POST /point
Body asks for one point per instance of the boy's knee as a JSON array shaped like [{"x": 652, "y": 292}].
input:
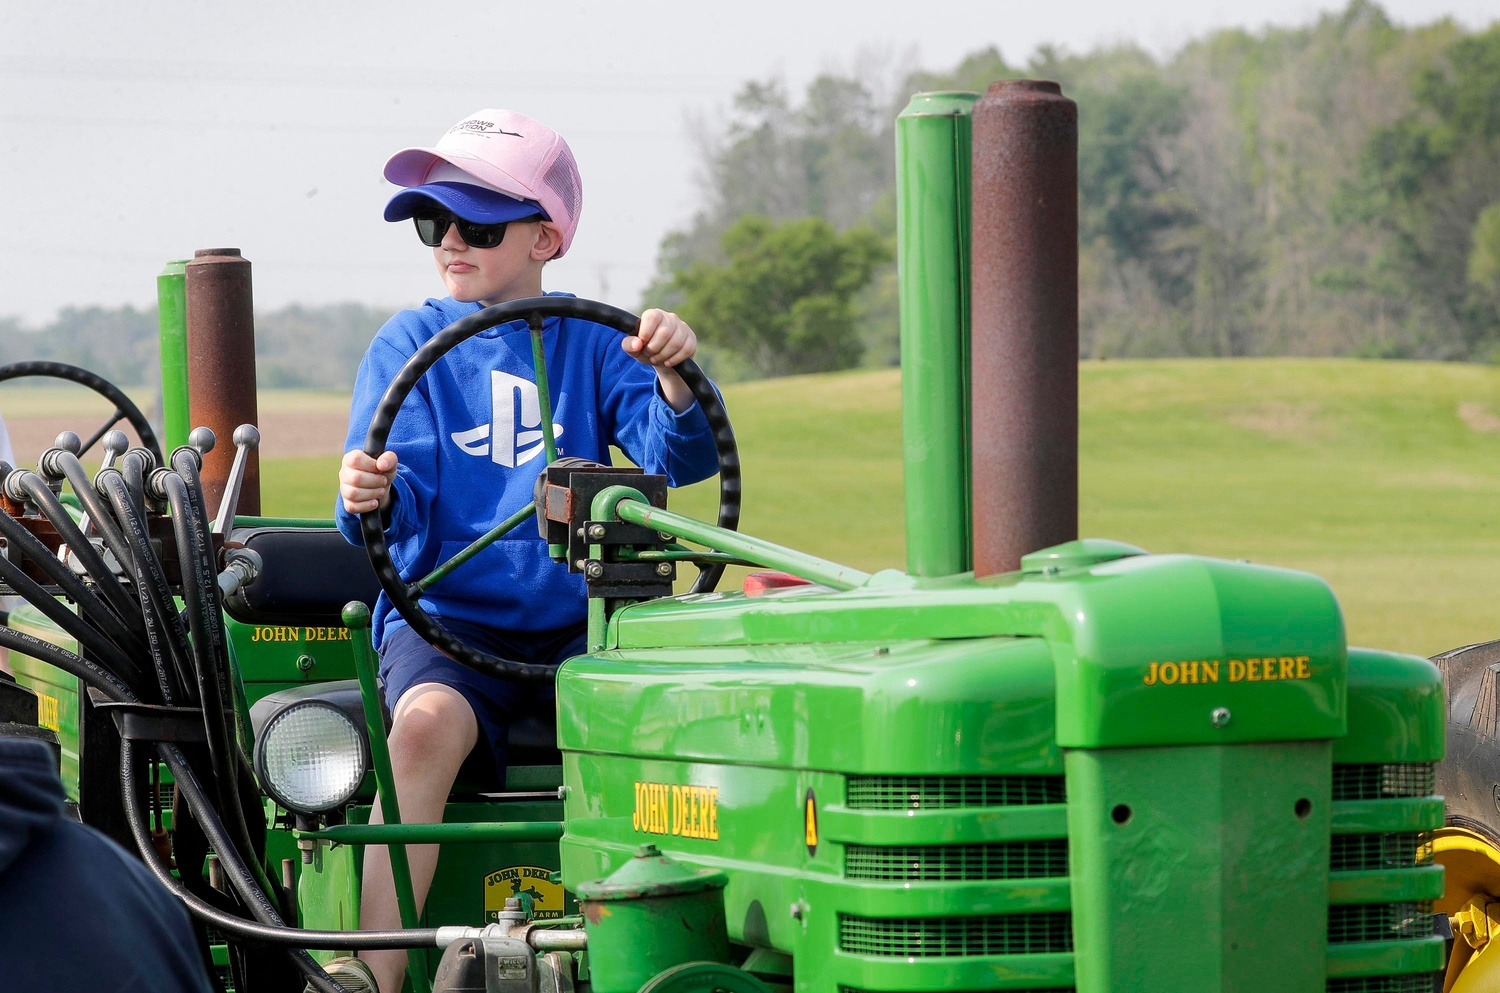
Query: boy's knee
[{"x": 433, "y": 718}]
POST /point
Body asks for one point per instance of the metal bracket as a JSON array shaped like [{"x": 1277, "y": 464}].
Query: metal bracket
[{"x": 565, "y": 496}]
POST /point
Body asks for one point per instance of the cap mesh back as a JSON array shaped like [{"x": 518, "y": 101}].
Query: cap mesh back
[{"x": 561, "y": 178}]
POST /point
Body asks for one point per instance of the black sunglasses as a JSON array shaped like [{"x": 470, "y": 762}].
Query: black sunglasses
[{"x": 432, "y": 226}]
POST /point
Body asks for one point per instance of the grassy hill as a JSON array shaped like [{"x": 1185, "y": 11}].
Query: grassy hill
[{"x": 1382, "y": 477}]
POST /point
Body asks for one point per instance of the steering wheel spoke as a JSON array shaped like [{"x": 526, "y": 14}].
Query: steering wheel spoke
[{"x": 104, "y": 429}]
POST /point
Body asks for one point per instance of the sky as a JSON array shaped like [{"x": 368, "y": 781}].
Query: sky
[{"x": 128, "y": 140}]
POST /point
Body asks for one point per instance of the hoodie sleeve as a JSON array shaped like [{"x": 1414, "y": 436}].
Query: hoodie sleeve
[
  {"x": 645, "y": 427},
  {"x": 412, "y": 437}
]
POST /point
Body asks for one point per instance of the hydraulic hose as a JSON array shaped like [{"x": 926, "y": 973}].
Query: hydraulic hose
[
  {"x": 264, "y": 933},
  {"x": 228, "y": 923},
  {"x": 164, "y": 631},
  {"x": 87, "y": 636},
  {"x": 200, "y": 589},
  {"x": 103, "y": 616},
  {"x": 134, "y": 465},
  {"x": 186, "y": 463},
  {"x": 87, "y": 495},
  {"x": 69, "y": 662},
  {"x": 93, "y": 563}
]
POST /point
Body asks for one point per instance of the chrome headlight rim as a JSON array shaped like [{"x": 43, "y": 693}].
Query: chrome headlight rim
[{"x": 276, "y": 791}]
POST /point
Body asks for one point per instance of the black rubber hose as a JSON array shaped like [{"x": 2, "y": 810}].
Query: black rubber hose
[
  {"x": 133, "y": 466},
  {"x": 75, "y": 665},
  {"x": 200, "y": 589},
  {"x": 263, "y": 933},
  {"x": 88, "y": 637},
  {"x": 102, "y": 520},
  {"x": 93, "y": 563},
  {"x": 228, "y": 923},
  {"x": 104, "y": 615},
  {"x": 186, "y": 463},
  {"x": 164, "y": 630}
]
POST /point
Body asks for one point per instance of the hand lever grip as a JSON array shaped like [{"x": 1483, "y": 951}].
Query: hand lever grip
[{"x": 246, "y": 437}]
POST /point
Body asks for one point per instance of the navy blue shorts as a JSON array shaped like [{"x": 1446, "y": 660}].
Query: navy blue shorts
[{"x": 406, "y": 660}]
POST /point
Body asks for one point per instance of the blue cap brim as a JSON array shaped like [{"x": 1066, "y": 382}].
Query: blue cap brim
[{"x": 472, "y": 203}]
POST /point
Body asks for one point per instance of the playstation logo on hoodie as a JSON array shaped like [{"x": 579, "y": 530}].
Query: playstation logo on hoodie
[{"x": 513, "y": 437}]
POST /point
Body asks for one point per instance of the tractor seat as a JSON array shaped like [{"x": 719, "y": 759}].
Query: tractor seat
[{"x": 307, "y": 576}]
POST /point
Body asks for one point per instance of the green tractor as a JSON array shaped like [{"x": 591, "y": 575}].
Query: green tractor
[{"x": 1028, "y": 762}]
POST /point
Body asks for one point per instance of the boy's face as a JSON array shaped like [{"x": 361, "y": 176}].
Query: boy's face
[{"x": 509, "y": 271}]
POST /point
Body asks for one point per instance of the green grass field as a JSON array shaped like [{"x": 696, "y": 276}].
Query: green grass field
[{"x": 1382, "y": 477}]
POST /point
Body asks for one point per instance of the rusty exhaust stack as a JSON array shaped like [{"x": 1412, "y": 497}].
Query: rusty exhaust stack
[
  {"x": 221, "y": 366},
  {"x": 1024, "y": 322}
]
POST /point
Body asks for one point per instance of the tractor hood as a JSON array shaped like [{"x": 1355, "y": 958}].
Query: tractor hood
[{"x": 31, "y": 796}]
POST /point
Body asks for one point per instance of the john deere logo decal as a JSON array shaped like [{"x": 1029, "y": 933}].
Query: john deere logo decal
[
  {"x": 810, "y": 821},
  {"x": 529, "y": 882}
]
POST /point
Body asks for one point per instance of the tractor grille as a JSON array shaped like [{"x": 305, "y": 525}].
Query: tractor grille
[
  {"x": 1375, "y": 781},
  {"x": 1358, "y": 852},
  {"x": 940, "y": 792},
  {"x": 1416, "y": 982},
  {"x": 937, "y": 937},
  {"x": 998, "y": 860},
  {"x": 1379, "y": 922},
  {"x": 1382, "y": 852}
]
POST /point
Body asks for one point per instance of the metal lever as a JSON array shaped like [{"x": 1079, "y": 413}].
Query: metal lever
[
  {"x": 116, "y": 443},
  {"x": 246, "y": 437}
]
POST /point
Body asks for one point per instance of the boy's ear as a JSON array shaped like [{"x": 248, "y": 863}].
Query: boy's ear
[{"x": 548, "y": 241}]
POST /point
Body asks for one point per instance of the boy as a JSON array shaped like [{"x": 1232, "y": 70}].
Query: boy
[{"x": 496, "y": 199}]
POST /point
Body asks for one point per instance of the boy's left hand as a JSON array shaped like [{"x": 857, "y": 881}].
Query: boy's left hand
[{"x": 663, "y": 339}]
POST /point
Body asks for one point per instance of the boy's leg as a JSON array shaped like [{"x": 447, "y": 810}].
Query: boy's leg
[{"x": 432, "y": 730}]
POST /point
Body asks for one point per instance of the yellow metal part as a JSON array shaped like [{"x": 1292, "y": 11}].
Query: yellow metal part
[{"x": 1471, "y": 899}]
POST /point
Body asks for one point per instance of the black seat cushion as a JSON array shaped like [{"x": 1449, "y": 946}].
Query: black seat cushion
[{"x": 307, "y": 576}]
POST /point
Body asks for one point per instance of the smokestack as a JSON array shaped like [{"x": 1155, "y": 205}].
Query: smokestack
[{"x": 1024, "y": 322}]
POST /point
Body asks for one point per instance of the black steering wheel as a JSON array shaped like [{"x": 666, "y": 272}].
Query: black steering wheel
[
  {"x": 125, "y": 409},
  {"x": 533, "y": 310}
]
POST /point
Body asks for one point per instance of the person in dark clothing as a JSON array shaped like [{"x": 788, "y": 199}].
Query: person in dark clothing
[{"x": 77, "y": 913}]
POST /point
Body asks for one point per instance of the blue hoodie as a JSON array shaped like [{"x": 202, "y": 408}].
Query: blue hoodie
[
  {"x": 77, "y": 912},
  {"x": 469, "y": 442}
]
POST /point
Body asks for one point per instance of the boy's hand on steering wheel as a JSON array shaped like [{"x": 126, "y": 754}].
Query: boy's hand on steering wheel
[
  {"x": 365, "y": 482},
  {"x": 663, "y": 339}
]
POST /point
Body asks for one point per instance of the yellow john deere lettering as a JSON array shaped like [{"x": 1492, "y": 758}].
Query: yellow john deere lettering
[
  {"x": 1271, "y": 668},
  {"x": 673, "y": 809},
  {"x": 299, "y": 634}
]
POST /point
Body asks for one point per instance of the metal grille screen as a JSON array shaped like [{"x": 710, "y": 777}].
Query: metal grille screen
[
  {"x": 1379, "y": 922},
  {"x": 934, "y": 937},
  {"x": 998, "y": 860},
  {"x": 1416, "y": 982},
  {"x": 938, "y": 792},
  {"x": 1352, "y": 852},
  {"x": 1374, "y": 781}
]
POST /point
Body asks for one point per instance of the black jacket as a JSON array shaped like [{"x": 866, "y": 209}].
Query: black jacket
[{"x": 76, "y": 911}]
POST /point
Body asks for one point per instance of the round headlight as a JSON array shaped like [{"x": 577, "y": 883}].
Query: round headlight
[{"x": 310, "y": 757}]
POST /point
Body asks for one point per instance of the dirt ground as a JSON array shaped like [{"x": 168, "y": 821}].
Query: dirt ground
[{"x": 284, "y": 434}]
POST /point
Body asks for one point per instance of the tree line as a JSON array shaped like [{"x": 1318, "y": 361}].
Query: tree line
[
  {"x": 1328, "y": 189},
  {"x": 296, "y": 347},
  {"x": 1331, "y": 189}
]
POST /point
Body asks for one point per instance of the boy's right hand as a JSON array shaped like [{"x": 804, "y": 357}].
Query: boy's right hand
[{"x": 365, "y": 482}]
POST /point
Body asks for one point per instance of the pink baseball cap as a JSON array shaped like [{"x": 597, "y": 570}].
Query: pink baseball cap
[{"x": 506, "y": 152}]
